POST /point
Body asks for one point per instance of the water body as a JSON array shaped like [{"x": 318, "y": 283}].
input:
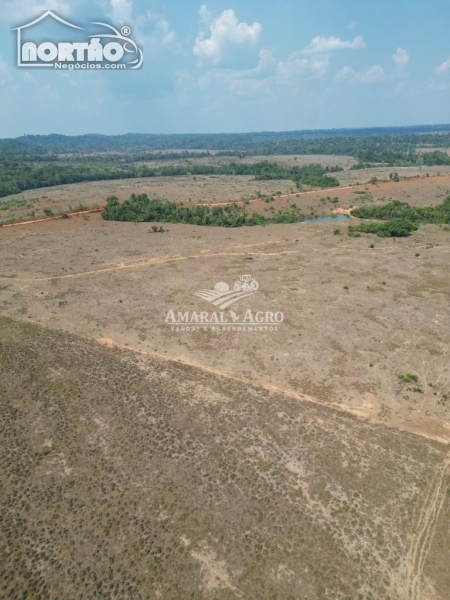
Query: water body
[{"x": 339, "y": 217}]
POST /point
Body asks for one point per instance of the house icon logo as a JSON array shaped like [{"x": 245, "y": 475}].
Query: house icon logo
[{"x": 111, "y": 49}]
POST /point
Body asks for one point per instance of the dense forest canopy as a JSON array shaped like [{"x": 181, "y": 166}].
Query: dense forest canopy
[
  {"x": 32, "y": 162},
  {"x": 339, "y": 141}
]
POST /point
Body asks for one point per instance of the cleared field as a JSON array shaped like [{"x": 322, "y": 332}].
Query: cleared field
[
  {"x": 341, "y": 346},
  {"x": 146, "y": 460},
  {"x": 220, "y": 188},
  {"x": 180, "y": 189},
  {"x": 326, "y": 160},
  {"x": 132, "y": 477},
  {"x": 364, "y": 175},
  {"x": 417, "y": 191},
  {"x": 425, "y": 150}
]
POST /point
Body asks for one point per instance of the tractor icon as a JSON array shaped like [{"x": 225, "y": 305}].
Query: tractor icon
[{"x": 245, "y": 283}]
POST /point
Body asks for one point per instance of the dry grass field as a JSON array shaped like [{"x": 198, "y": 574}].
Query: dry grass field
[
  {"x": 179, "y": 189},
  {"x": 220, "y": 188},
  {"x": 143, "y": 460}
]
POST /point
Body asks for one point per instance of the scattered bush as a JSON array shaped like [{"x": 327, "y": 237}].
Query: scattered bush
[
  {"x": 408, "y": 378},
  {"x": 439, "y": 214},
  {"x": 392, "y": 228}
]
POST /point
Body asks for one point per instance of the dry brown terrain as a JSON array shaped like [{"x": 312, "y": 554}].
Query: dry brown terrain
[
  {"x": 210, "y": 189},
  {"x": 126, "y": 476},
  {"x": 179, "y": 189},
  {"x": 146, "y": 461}
]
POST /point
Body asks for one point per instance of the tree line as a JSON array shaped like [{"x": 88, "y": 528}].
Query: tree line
[
  {"x": 397, "y": 227},
  {"x": 17, "y": 175},
  {"x": 141, "y": 209},
  {"x": 339, "y": 141},
  {"x": 439, "y": 214}
]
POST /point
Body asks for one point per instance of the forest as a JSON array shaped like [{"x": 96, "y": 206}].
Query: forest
[
  {"x": 17, "y": 175},
  {"x": 35, "y": 161},
  {"x": 439, "y": 214},
  {"x": 339, "y": 141},
  {"x": 140, "y": 208}
]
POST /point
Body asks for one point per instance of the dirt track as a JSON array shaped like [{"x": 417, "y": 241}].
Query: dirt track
[
  {"x": 229, "y": 465},
  {"x": 39, "y": 287}
]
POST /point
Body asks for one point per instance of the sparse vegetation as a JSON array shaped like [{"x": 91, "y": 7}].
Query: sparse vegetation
[{"x": 115, "y": 484}]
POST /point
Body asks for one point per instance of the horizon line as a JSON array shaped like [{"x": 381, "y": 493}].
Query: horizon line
[{"x": 261, "y": 132}]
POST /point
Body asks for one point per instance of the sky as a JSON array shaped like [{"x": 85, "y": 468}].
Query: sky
[{"x": 229, "y": 66}]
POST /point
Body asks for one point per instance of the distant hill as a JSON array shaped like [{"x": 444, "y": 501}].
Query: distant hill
[{"x": 284, "y": 142}]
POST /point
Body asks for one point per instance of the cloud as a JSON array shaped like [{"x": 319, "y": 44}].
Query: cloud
[
  {"x": 345, "y": 74},
  {"x": 227, "y": 35},
  {"x": 314, "y": 60},
  {"x": 229, "y": 43},
  {"x": 27, "y": 10},
  {"x": 266, "y": 66},
  {"x": 324, "y": 45},
  {"x": 150, "y": 28},
  {"x": 400, "y": 57},
  {"x": 444, "y": 68},
  {"x": 205, "y": 14},
  {"x": 352, "y": 24},
  {"x": 374, "y": 74},
  {"x": 297, "y": 66},
  {"x": 162, "y": 32},
  {"x": 244, "y": 82},
  {"x": 269, "y": 74},
  {"x": 122, "y": 11}
]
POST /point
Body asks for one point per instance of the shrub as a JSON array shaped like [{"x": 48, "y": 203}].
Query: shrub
[
  {"x": 408, "y": 378},
  {"x": 439, "y": 214},
  {"x": 391, "y": 228}
]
